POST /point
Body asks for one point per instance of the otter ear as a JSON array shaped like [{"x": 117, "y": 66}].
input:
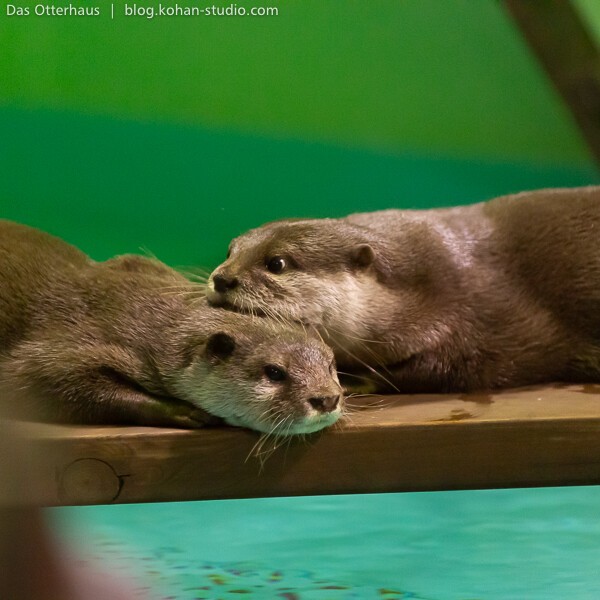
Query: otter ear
[
  {"x": 219, "y": 346},
  {"x": 362, "y": 255}
]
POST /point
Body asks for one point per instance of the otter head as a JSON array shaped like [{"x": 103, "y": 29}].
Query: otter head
[
  {"x": 321, "y": 272},
  {"x": 261, "y": 374},
  {"x": 377, "y": 294}
]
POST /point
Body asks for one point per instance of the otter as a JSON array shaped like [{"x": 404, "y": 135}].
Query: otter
[
  {"x": 132, "y": 341},
  {"x": 502, "y": 293}
]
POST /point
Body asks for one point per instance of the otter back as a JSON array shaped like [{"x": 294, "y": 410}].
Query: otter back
[{"x": 496, "y": 294}]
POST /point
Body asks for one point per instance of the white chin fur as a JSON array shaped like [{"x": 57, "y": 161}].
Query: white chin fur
[
  {"x": 306, "y": 425},
  {"x": 235, "y": 405}
]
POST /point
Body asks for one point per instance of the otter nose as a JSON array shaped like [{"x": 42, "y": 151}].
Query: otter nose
[
  {"x": 324, "y": 404},
  {"x": 223, "y": 283}
]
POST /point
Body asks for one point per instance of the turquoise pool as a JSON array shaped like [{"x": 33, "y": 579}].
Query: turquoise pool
[{"x": 478, "y": 545}]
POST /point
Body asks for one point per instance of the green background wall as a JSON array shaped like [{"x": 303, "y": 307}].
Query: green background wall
[{"x": 174, "y": 135}]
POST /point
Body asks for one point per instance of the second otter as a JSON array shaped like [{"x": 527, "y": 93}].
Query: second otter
[
  {"x": 131, "y": 341},
  {"x": 496, "y": 294}
]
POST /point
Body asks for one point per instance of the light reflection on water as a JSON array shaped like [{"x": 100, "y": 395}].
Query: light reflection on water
[{"x": 487, "y": 545}]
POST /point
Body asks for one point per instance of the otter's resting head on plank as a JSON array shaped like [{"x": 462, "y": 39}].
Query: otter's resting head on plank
[{"x": 131, "y": 341}]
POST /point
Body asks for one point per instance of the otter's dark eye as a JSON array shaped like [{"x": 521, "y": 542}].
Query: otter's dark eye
[
  {"x": 276, "y": 265},
  {"x": 275, "y": 373}
]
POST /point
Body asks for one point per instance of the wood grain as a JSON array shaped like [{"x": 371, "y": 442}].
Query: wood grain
[{"x": 529, "y": 437}]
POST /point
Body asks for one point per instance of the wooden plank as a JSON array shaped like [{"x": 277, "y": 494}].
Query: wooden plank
[
  {"x": 528, "y": 437},
  {"x": 558, "y": 37}
]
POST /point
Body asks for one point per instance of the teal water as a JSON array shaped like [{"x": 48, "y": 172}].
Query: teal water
[{"x": 478, "y": 545}]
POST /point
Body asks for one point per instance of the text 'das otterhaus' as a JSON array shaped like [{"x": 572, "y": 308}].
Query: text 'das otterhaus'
[{"x": 140, "y": 10}]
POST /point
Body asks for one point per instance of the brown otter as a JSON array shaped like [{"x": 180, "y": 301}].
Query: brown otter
[
  {"x": 131, "y": 341},
  {"x": 496, "y": 294}
]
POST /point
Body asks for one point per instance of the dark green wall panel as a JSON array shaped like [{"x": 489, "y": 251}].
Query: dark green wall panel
[{"x": 112, "y": 186}]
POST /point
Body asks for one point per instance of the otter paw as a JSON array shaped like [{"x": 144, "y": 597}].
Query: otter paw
[{"x": 195, "y": 418}]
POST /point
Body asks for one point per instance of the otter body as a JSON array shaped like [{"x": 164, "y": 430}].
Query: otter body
[
  {"x": 496, "y": 294},
  {"x": 132, "y": 341}
]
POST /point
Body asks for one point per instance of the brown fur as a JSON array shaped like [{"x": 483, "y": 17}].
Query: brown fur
[
  {"x": 501, "y": 293},
  {"x": 132, "y": 341}
]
